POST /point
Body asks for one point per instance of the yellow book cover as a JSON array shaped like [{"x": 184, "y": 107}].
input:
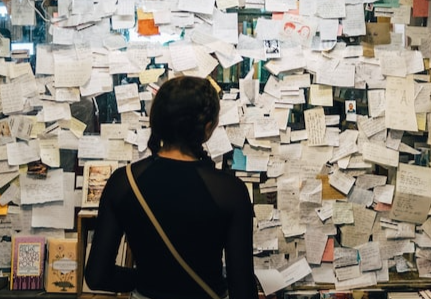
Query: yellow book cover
[{"x": 61, "y": 266}]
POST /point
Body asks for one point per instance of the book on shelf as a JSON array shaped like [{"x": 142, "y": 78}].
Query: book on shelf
[
  {"x": 27, "y": 262},
  {"x": 61, "y": 265}
]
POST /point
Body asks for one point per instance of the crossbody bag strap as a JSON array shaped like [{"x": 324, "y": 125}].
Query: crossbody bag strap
[{"x": 164, "y": 237}]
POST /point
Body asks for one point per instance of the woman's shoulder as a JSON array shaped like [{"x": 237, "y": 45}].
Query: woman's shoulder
[{"x": 222, "y": 176}]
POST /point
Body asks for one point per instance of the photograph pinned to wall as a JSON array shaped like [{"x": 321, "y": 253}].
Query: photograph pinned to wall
[
  {"x": 95, "y": 176},
  {"x": 5, "y": 132},
  {"x": 272, "y": 48},
  {"x": 351, "y": 110}
]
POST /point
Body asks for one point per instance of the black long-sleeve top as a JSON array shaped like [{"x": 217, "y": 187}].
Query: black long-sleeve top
[{"x": 202, "y": 210}]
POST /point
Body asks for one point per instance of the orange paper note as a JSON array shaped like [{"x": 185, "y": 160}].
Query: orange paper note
[
  {"x": 146, "y": 25},
  {"x": 3, "y": 210},
  {"x": 420, "y": 8},
  {"x": 328, "y": 253}
]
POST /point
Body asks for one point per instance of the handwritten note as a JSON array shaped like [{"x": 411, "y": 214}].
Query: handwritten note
[{"x": 316, "y": 126}]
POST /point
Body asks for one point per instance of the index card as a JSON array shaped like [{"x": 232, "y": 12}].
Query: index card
[
  {"x": 291, "y": 59},
  {"x": 49, "y": 151},
  {"x": 347, "y": 145},
  {"x": 315, "y": 126},
  {"x": 5, "y": 167},
  {"x": 53, "y": 111},
  {"x": 226, "y": 50},
  {"x": 113, "y": 131},
  {"x": 275, "y": 167},
  {"x": 379, "y": 154},
  {"x": 413, "y": 179},
  {"x": 324, "y": 273},
  {"x": 182, "y": 55},
  {"x": 22, "y": 152},
  {"x": 328, "y": 9},
  {"x": 143, "y": 135},
  {"x": 295, "y": 271},
  {"x": 127, "y": 97},
  {"x": 92, "y": 147},
  {"x": 365, "y": 280},
  {"x": 5, "y": 178},
  {"x": 257, "y": 163},
  {"x": 311, "y": 191},
  {"x": 228, "y": 113},
  {"x": 265, "y": 127},
  {"x": 100, "y": 82},
  {"x": 416, "y": 34},
  {"x": 204, "y": 6},
  {"x": 150, "y": 76},
  {"x": 400, "y": 104},
  {"x": 72, "y": 73},
  {"x": 354, "y": 21},
  {"x": 361, "y": 196},
  {"x": 62, "y": 35},
  {"x": 263, "y": 211},
  {"x": 370, "y": 256},
  {"x": 345, "y": 257},
  {"x": 70, "y": 94},
  {"x": 12, "y": 100},
  {"x": 328, "y": 29},
  {"x": 348, "y": 272},
  {"x": 342, "y": 213},
  {"x": 341, "y": 181},
  {"x": 118, "y": 150},
  {"x": 369, "y": 181},
  {"x": 384, "y": 194},
  {"x": 271, "y": 280},
  {"x": 315, "y": 243},
  {"x": 224, "y": 4},
  {"x": 119, "y": 63},
  {"x": 225, "y": 26},
  {"x": 410, "y": 207},
  {"x": 371, "y": 126},
  {"x": 34, "y": 191},
  {"x": 236, "y": 135},
  {"x": 205, "y": 63},
  {"x": 67, "y": 140},
  {"x": 23, "y": 12},
  {"x": 250, "y": 47},
  {"x": 343, "y": 75},
  {"x": 403, "y": 230},
  {"x": 321, "y": 95},
  {"x": 219, "y": 143},
  {"x": 265, "y": 239}
]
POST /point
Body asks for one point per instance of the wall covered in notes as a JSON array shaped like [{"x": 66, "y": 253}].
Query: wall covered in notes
[{"x": 325, "y": 114}]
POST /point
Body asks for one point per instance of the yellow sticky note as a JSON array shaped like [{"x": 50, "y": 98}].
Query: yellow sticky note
[
  {"x": 3, "y": 210},
  {"x": 142, "y": 15},
  {"x": 77, "y": 127},
  {"x": 214, "y": 84},
  {"x": 421, "y": 118},
  {"x": 150, "y": 76}
]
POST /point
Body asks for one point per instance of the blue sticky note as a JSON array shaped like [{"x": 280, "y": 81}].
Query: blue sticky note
[{"x": 239, "y": 160}]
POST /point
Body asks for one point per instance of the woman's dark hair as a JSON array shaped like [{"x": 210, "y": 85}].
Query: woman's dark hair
[{"x": 179, "y": 113}]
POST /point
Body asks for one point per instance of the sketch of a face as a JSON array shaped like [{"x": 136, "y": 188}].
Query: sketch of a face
[
  {"x": 289, "y": 28},
  {"x": 304, "y": 32}
]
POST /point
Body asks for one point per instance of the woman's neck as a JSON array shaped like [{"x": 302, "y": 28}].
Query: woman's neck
[{"x": 176, "y": 154}]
